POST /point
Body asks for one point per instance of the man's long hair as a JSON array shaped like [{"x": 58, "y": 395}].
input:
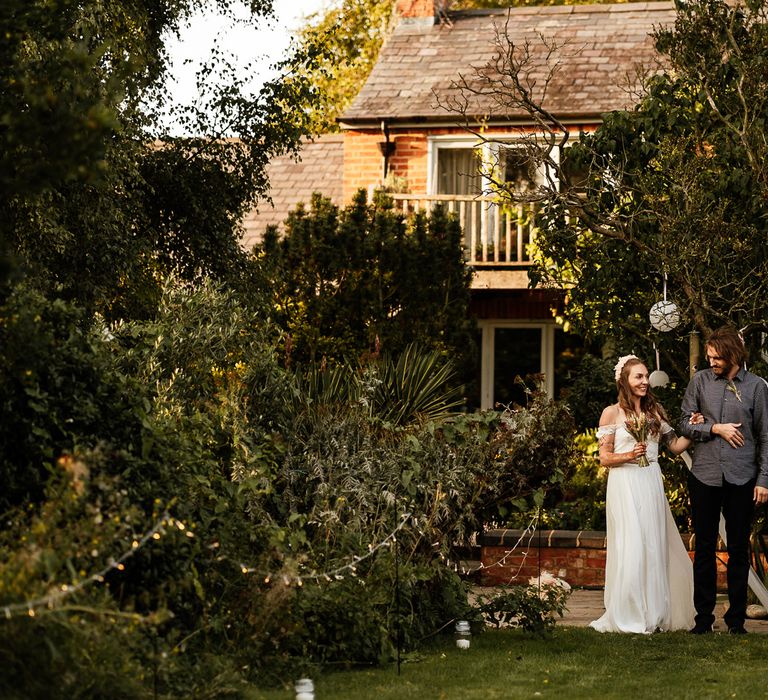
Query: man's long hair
[
  {"x": 648, "y": 403},
  {"x": 727, "y": 343}
]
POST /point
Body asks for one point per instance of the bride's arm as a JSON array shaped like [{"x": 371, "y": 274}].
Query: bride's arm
[
  {"x": 609, "y": 458},
  {"x": 678, "y": 443}
]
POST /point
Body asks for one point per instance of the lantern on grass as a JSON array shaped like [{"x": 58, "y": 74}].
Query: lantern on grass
[
  {"x": 463, "y": 634},
  {"x": 664, "y": 315},
  {"x": 305, "y": 689}
]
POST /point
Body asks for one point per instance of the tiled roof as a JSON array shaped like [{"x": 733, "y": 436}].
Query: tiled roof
[
  {"x": 319, "y": 170},
  {"x": 602, "y": 47}
]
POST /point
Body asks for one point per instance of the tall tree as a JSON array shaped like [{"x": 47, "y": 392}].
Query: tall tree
[
  {"x": 98, "y": 201},
  {"x": 675, "y": 187}
]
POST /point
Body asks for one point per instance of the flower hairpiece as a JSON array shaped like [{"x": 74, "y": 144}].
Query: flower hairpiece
[{"x": 620, "y": 365}]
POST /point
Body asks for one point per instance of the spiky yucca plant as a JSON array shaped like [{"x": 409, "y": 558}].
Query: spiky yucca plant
[{"x": 417, "y": 384}]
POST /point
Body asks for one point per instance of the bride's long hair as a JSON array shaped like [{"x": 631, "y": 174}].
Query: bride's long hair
[{"x": 648, "y": 403}]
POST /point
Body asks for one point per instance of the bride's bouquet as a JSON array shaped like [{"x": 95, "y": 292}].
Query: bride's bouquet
[{"x": 640, "y": 427}]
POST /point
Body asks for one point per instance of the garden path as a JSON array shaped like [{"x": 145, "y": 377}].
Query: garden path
[{"x": 585, "y": 605}]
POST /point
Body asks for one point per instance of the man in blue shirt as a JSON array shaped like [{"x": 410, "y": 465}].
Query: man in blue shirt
[{"x": 730, "y": 471}]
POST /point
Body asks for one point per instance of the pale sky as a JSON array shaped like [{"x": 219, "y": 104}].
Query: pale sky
[{"x": 262, "y": 46}]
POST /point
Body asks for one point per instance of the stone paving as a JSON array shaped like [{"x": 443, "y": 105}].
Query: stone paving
[{"x": 587, "y": 605}]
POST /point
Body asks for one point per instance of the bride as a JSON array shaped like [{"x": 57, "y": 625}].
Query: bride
[{"x": 648, "y": 573}]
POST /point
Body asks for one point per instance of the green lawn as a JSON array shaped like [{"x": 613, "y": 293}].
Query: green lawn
[{"x": 574, "y": 663}]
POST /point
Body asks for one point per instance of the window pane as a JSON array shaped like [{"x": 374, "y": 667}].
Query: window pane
[
  {"x": 518, "y": 170},
  {"x": 517, "y": 353},
  {"x": 457, "y": 171}
]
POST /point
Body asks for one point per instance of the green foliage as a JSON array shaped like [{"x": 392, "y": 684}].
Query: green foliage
[
  {"x": 269, "y": 482},
  {"x": 414, "y": 384},
  {"x": 397, "y": 390},
  {"x": 345, "y": 283},
  {"x": 684, "y": 193},
  {"x": 351, "y": 34},
  {"x": 98, "y": 202},
  {"x": 80, "y": 645},
  {"x": 534, "y": 446},
  {"x": 59, "y": 394},
  {"x": 58, "y": 657},
  {"x": 590, "y": 388},
  {"x": 579, "y": 504},
  {"x": 532, "y": 608}
]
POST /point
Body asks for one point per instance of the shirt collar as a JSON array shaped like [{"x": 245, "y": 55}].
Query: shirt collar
[{"x": 739, "y": 375}]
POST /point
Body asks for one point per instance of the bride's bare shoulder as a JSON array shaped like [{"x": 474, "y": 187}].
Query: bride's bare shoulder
[{"x": 610, "y": 415}]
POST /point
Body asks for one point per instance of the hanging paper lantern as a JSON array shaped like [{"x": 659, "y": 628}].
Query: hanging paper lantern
[
  {"x": 664, "y": 316},
  {"x": 658, "y": 378}
]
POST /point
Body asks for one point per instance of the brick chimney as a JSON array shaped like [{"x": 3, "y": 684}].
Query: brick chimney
[{"x": 422, "y": 9}]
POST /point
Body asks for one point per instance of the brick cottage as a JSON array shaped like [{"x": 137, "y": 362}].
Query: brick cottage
[
  {"x": 410, "y": 130},
  {"x": 400, "y": 130}
]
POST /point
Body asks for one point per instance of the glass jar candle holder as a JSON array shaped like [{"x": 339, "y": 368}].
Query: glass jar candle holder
[
  {"x": 463, "y": 634},
  {"x": 305, "y": 689}
]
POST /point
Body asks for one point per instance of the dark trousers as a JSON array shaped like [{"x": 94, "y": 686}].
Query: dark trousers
[{"x": 737, "y": 504}]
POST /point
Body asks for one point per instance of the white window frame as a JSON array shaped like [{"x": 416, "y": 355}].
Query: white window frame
[
  {"x": 487, "y": 354},
  {"x": 434, "y": 144},
  {"x": 489, "y": 149}
]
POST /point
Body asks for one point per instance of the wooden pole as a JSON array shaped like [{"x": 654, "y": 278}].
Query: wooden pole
[{"x": 694, "y": 352}]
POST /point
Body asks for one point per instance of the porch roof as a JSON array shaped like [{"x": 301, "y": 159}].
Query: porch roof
[
  {"x": 319, "y": 169},
  {"x": 602, "y": 47}
]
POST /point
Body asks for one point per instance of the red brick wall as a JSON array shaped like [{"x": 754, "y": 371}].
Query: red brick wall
[
  {"x": 576, "y": 557},
  {"x": 364, "y": 163},
  {"x": 410, "y": 159},
  {"x": 416, "y": 8},
  {"x": 582, "y": 567}
]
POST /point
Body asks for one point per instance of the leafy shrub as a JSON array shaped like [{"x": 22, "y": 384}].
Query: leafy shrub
[
  {"x": 346, "y": 281},
  {"x": 285, "y": 497},
  {"x": 533, "y": 452},
  {"x": 59, "y": 393},
  {"x": 72, "y": 640},
  {"x": 533, "y": 608}
]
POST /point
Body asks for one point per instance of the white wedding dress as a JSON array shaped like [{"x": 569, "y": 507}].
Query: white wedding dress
[{"x": 648, "y": 573}]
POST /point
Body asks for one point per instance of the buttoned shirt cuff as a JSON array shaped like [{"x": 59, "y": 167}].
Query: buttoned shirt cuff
[{"x": 701, "y": 432}]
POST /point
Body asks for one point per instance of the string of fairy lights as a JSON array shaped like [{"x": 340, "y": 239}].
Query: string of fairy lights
[
  {"x": 530, "y": 529},
  {"x": 54, "y": 598},
  {"x": 29, "y": 607},
  {"x": 333, "y": 574}
]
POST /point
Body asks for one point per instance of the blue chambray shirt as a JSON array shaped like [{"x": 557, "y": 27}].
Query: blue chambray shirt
[{"x": 713, "y": 457}]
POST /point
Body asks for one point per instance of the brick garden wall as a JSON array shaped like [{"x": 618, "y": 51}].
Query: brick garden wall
[{"x": 577, "y": 556}]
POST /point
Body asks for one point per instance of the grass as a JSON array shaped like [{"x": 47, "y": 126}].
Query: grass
[{"x": 574, "y": 663}]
